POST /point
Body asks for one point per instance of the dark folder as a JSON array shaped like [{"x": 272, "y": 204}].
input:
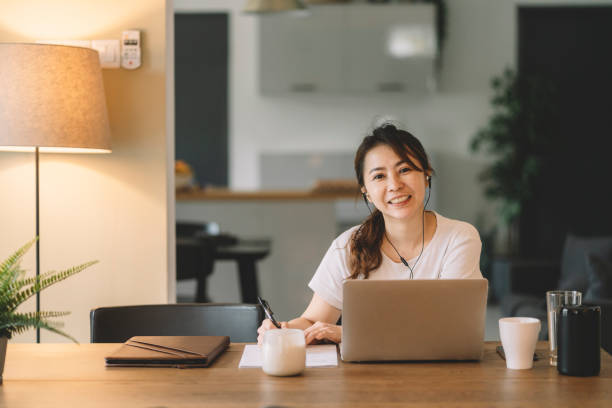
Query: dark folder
[{"x": 168, "y": 351}]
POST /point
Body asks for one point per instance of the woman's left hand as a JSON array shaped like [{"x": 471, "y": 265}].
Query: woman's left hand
[{"x": 323, "y": 331}]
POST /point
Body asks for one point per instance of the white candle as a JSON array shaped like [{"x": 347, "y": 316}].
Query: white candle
[{"x": 284, "y": 352}]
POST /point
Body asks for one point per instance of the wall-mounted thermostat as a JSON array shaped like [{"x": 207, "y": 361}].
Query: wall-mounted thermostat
[{"x": 130, "y": 49}]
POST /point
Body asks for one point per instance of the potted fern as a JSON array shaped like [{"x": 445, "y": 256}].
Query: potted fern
[{"x": 15, "y": 289}]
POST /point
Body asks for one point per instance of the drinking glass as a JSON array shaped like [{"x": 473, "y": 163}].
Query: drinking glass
[{"x": 555, "y": 299}]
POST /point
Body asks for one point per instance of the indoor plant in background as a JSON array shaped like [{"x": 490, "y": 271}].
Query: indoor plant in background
[
  {"x": 518, "y": 136},
  {"x": 15, "y": 289}
]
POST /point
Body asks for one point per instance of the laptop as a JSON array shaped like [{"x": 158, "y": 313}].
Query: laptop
[{"x": 395, "y": 320}]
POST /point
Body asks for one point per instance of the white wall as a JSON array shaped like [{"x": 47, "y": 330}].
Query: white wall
[{"x": 113, "y": 207}]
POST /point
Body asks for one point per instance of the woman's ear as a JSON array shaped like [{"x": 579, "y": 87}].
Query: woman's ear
[{"x": 364, "y": 194}]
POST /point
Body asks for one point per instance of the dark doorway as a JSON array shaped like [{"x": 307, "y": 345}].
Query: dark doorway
[
  {"x": 201, "y": 87},
  {"x": 569, "y": 46}
]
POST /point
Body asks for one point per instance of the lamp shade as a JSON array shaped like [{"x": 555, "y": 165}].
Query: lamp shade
[{"x": 52, "y": 97}]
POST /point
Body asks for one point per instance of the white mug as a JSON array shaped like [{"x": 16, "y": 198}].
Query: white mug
[
  {"x": 284, "y": 352},
  {"x": 519, "y": 336}
]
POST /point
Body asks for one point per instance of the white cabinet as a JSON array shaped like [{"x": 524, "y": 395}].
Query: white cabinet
[
  {"x": 300, "y": 54},
  {"x": 349, "y": 48},
  {"x": 390, "y": 48}
]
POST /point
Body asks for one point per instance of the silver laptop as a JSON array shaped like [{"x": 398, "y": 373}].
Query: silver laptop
[{"x": 390, "y": 320}]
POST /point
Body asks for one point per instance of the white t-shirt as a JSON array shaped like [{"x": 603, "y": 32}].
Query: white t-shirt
[{"x": 452, "y": 253}]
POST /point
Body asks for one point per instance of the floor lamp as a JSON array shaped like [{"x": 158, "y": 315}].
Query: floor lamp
[{"x": 51, "y": 100}]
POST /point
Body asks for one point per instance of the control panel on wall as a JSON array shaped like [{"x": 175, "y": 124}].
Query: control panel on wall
[
  {"x": 130, "y": 49},
  {"x": 109, "y": 50}
]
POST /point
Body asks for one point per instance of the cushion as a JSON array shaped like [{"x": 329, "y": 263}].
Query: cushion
[
  {"x": 573, "y": 265},
  {"x": 599, "y": 272}
]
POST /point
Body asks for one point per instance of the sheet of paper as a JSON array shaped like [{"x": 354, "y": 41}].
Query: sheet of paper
[{"x": 320, "y": 355}]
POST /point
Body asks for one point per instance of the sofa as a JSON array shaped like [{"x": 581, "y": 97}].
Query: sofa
[{"x": 520, "y": 285}]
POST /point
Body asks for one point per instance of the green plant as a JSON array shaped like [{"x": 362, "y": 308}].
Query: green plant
[
  {"x": 15, "y": 289},
  {"x": 519, "y": 135}
]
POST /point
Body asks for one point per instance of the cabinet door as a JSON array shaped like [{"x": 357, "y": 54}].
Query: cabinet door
[
  {"x": 302, "y": 54},
  {"x": 390, "y": 48}
]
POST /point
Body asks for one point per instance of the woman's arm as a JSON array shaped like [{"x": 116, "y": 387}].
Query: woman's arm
[{"x": 317, "y": 321}]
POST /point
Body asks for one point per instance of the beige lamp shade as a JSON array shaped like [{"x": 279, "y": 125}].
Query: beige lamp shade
[{"x": 52, "y": 96}]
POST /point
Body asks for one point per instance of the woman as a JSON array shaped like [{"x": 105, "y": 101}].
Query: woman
[{"x": 399, "y": 240}]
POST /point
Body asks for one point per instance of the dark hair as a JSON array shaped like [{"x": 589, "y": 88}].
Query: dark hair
[{"x": 365, "y": 243}]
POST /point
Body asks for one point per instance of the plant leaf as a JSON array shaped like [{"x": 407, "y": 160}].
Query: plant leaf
[{"x": 41, "y": 283}]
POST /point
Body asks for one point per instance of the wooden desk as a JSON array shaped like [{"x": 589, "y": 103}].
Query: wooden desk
[{"x": 68, "y": 375}]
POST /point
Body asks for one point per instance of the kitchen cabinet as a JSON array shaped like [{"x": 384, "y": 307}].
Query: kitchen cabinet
[
  {"x": 390, "y": 48},
  {"x": 300, "y": 54},
  {"x": 349, "y": 48}
]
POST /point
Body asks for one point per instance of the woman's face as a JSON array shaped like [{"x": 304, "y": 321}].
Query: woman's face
[{"x": 392, "y": 185}]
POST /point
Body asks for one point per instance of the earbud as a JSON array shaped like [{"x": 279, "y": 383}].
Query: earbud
[{"x": 429, "y": 181}]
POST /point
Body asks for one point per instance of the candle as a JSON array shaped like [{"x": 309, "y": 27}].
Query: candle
[{"x": 284, "y": 352}]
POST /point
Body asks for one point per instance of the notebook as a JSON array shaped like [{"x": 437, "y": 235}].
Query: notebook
[
  {"x": 386, "y": 320},
  {"x": 168, "y": 351}
]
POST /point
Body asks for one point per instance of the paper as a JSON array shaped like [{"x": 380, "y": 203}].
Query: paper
[{"x": 320, "y": 355}]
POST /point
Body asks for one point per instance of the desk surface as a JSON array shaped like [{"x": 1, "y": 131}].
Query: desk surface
[{"x": 68, "y": 375}]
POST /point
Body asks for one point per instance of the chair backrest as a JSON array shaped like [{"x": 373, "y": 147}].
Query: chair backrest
[
  {"x": 191, "y": 229},
  {"x": 119, "y": 323}
]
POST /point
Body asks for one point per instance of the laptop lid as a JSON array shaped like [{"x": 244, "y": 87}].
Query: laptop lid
[{"x": 385, "y": 320}]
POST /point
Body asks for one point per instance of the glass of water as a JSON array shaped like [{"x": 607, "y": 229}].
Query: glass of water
[{"x": 554, "y": 300}]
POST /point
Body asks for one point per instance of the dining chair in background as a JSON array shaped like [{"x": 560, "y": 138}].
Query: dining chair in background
[
  {"x": 118, "y": 323},
  {"x": 198, "y": 247}
]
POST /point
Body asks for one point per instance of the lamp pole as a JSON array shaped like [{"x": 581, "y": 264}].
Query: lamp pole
[{"x": 37, "y": 247}]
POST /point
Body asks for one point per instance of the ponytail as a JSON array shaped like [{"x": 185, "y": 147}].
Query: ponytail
[{"x": 365, "y": 255}]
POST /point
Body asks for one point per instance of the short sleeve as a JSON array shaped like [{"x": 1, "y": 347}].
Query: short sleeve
[
  {"x": 462, "y": 258},
  {"x": 331, "y": 273}
]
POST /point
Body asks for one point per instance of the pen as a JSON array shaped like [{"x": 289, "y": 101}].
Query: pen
[{"x": 268, "y": 311}]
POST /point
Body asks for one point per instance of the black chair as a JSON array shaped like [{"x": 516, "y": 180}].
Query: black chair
[
  {"x": 117, "y": 324},
  {"x": 197, "y": 251},
  {"x": 195, "y": 255}
]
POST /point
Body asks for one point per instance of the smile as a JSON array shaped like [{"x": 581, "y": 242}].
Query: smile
[{"x": 400, "y": 200}]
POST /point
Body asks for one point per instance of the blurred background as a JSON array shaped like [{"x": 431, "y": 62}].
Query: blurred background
[
  {"x": 231, "y": 169},
  {"x": 508, "y": 98}
]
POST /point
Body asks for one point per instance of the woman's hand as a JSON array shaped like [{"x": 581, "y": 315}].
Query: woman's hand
[
  {"x": 323, "y": 331},
  {"x": 265, "y": 326}
]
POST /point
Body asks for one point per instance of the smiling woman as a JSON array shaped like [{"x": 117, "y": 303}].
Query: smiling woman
[{"x": 399, "y": 240}]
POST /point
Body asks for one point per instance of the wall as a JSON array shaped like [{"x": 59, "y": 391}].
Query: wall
[{"x": 111, "y": 207}]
